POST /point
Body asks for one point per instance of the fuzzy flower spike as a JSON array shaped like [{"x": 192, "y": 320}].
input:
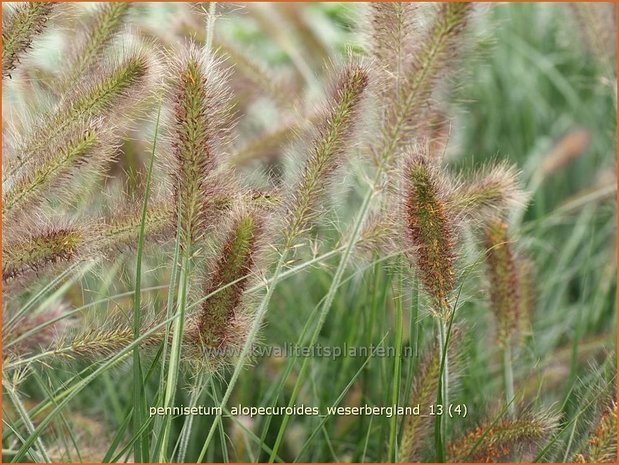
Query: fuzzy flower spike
[{"x": 430, "y": 229}]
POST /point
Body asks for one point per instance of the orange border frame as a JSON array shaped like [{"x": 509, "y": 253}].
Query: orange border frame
[{"x": 378, "y": 1}]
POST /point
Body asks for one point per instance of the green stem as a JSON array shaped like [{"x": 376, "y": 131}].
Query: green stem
[
  {"x": 395, "y": 393},
  {"x": 443, "y": 394},
  {"x": 508, "y": 378},
  {"x": 175, "y": 353},
  {"x": 326, "y": 306}
]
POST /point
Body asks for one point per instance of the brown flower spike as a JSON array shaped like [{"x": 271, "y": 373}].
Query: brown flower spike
[
  {"x": 430, "y": 229},
  {"x": 196, "y": 130},
  {"x": 504, "y": 281}
]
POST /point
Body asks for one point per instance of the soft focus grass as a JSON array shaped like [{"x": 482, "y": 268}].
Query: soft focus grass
[{"x": 532, "y": 83}]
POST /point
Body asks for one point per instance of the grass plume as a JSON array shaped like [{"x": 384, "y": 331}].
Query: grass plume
[
  {"x": 50, "y": 171},
  {"x": 328, "y": 149},
  {"x": 221, "y": 322},
  {"x": 504, "y": 281},
  {"x": 431, "y": 232},
  {"x": 19, "y": 28},
  {"x": 492, "y": 193},
  {"x": 504, "y": 439},
  {"x": 416, "y": 429},
  {"x": 197, "y": 128},
  {"x": 113, "y": 88},
  {"x": 427, "y": 65},
  {"x": 97, "y": 34},
  {"x": 601, "y": 446}
]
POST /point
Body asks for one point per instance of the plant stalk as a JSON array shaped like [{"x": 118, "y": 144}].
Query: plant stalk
[{"x": 508, "y": 378}]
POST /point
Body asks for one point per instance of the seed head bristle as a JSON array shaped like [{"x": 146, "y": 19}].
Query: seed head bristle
[
  {"x": 97, "y": 34},
  {"x": 601, "y": 446},
  {"x": 220, "y": 323},
  {"x": 378, "y": 235},
  {"x": 96, "y": 343},
  {"x": 197, "y": 131},
  {"x": 46, "y": 246},
  {"x": 430, "y": 230},
  {"x": 19, "y": 29},
  {"x": 123, "y": 229},
  {"x": 491, "y": 194},
  {"x": 39, "y": 339},
  {"x": 504, "y": 281},
  {"x": 327, "y": 151},
  {"x": 428, "y": 65},
  {"x": 394, "y": 34},
  {"x": 416, "y": 428},
  {"x": 30, "y": 254},
  {"x": 112, "y": 89},
  {"x": 235, "y": 262},
  {"x": 48, "y": 175},
  {"x": 503, "y": 440}
]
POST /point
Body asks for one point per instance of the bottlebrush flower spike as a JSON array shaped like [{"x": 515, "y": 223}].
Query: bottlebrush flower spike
[
  {"x": 220, "y": 323},
  {"x": 53, "y": 244},
  {"x": 394, "y": 33},
  {"x": 503, "y": 440},
  {"x": 430, "y": 229},
  {"x": 96, "y": 35},
  {"x": 326, "y": 154},
  {"x": 504, "y": 281},
  {"x": 491, "y": 194},
  {"x": 416, "y": 428},
  {"x": 429, "y": 63},
  {"x": 197, "y": 130},
  {"x": 111, "y": 89},
  {"x": 97, "y": 343},
  {"x": 19, "y": 29},
  {"x": 45, "y": 246},
  {"x": 86, "y": 148},
  {"x": 602, "y": 444},
  {"x": 21, "y": 343}
]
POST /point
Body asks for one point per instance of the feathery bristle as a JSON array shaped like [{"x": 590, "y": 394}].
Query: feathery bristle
[
  {"x": 217, "y": 321},
  {"x": 113, "y": 88},
  {"x": 100, "y": 30},
  {"x": 416, "y": 428},
  {"x": 124, "y": 227},
  {"x": 394, "y": 30},
  {"x": 31, "y": 254},
  {"x": 327, "y": 151},
  {"x": 197, "y": 128},
  {"x": 503, "y": 440},
  {"x": 491, "y": 194},
  {"x": 18, "y": 30},
  {"x": 253, "y": 199},
  {"x": 54, "y": 167},
  {"x": 430, "y": 228},
  {"x": 41, "y": 338},
  {"x": 428, "y": 65},
  {"x": 97, "y": 343},
  {"x": 379, "y": 234},
  {"x": 602, "y": 444},
  {"x": 504, "y": 281},
  {"x": 47, "y": 246}
]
